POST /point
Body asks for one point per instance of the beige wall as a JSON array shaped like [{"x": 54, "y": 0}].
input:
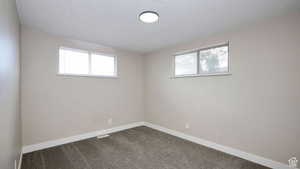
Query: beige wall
[
  {"x": 10, "y": 124},
  {"x": 56, "y": 106},
  {"x": 256, "y": 109}
]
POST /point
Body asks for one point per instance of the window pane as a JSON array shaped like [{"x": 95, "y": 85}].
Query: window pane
[
  {"x": 73, "y": 62},
  {"x": 102, "y": 65},
  {"x": 214, "y": 60},
  {"x": 186, "y": 64}
]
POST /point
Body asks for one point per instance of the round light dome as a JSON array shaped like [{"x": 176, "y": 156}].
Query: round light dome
[{"x": 149, "y": 17}]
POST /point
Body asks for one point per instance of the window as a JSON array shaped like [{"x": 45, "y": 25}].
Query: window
[
  {"x": 214, "y": 60},
  {"x": 186, "y": 64},
  {"x": 80, "y": 62},
  {"x": 209, "y": 61},
  {"x": 73, "y": 62}
]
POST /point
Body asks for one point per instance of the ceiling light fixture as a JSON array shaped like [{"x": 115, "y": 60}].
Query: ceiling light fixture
[{"x": 149, "y": 16}]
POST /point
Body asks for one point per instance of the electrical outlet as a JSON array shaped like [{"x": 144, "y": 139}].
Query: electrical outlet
[
  {"x": 109, "y": 121},
  {"x": 293, "y": 162},
  {"x": 187, "y": 125}
]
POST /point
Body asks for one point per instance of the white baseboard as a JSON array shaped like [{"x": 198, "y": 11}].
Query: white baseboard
[
  {"x": 52, "y": 143},
  {"x": 20, "y": 160},
  {"x": 238, "y": 153}
]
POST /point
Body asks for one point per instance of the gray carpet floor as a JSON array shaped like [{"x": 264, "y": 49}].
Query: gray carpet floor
[{"x": 137, "y": 148}]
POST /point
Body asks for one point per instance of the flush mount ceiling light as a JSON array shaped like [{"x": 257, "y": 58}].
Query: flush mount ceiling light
[{"x": 149, "y": 16}]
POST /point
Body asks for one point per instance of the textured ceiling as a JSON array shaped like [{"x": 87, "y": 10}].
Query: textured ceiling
[{"x": 115, "y": 22}]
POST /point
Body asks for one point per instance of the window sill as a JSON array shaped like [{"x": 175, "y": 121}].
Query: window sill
[
  {"x": 200, "y": 75},
  {"x": 92, "y": 76}
]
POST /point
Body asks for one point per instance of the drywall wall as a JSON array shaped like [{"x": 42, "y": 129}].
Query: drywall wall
[
  {"x": 256, "y": 109},
  {"x": 56, "y": 106},
  {"x": 10, "y": 120}
]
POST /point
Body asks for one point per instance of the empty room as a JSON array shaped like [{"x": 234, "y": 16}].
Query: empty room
[{"x": 149, "y": 84}]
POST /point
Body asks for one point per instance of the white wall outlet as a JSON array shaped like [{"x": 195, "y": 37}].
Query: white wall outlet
[
  {"x": 109, "y": 121},
  {"x": 187, "y": 125},
  {"x": 293, "y": 162}
]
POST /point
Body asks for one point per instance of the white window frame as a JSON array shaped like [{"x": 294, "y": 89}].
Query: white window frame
[
  {"x": 198, "y": 74},
  {"x": 90, "y": 58}
]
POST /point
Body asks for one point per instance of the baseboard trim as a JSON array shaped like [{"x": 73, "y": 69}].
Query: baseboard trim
[
  {"x": 20, "y": 160},
  {"x": 53, "y": 143},
  {"x": 235, "y": 152}
]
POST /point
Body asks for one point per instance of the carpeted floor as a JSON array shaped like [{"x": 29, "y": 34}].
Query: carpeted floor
[{"x": 137, "y": 148}]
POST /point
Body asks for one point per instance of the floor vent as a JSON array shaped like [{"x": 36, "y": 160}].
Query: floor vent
[{"x": 102, "y": 136}]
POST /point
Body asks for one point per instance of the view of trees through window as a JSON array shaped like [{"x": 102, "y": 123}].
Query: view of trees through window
[
  {"x": 206, "y": 61},
  {"x": 214, "y": 60}
]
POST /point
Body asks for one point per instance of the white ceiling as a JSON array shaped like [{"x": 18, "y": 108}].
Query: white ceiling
[{"x": 115, "y": 22}]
